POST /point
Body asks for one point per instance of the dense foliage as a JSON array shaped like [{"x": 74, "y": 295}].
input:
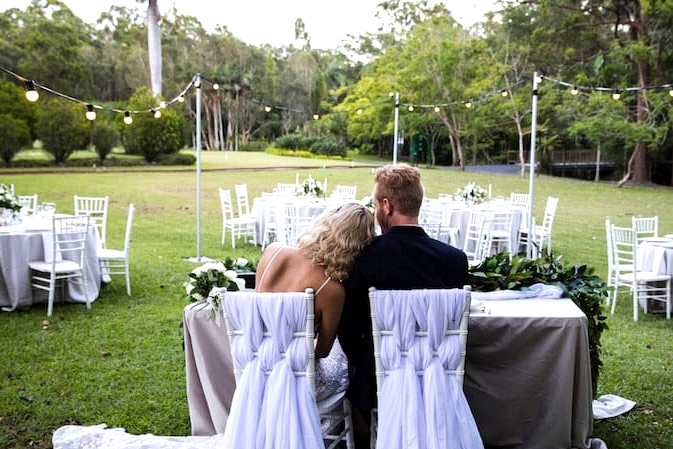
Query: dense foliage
[
  {"x": 587, "y": 290},
  {"x": 62, "y": 128},
  {"x": 466, "y": 90}
]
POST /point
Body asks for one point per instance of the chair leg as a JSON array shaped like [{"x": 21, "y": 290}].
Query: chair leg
[
  {"x": 615, "y": 293},
  {"x": 50, "y": 300},
  {"x": 636, "y": 290},
  {"x": 128, "y": 279}
]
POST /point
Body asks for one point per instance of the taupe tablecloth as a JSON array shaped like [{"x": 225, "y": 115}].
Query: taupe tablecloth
[
  {"x": 528, "y": 374},
  {"x": 22, "y": 244}
]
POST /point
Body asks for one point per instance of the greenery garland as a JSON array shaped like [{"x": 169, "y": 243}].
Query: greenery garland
[{"x": 585, "y": 289}]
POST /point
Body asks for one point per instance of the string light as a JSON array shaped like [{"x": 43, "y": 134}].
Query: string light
[
  {"x": 127, "y": 118},
  {"x": 216, "y": 86},
  {"x": 436, "y": 108},
  {"x": 181, "y": 99},
  {"x": 156, "y": 113},
  {"x": 616, "y": 95},
  {"x": 468, "y": 104},
  {"x": 162, "y": 104},
  {"x": 411, "y": 108},
  {"x": 267, "y": 108},
  {"x": 316, "y": 116},
  {"x": 31, "y": 93},
  {"x": 90, "y": 113},
  {"x": 574, "y": 91},
  {"x": 359, "y": 111},
  {"x": 503, "y": 93},
  {"x": 670, "y": 92}
]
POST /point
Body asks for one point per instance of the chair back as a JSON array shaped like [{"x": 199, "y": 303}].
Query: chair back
[
  {"x": 623, "y": 248},
  {"x": 272, "y": 350},
  {"x": 519, "y": 199},
  {"x": 129, "y": 228},
  {"x": 645, "y": 227},
  {"x": 226, "y": 203},
  {"x": 28, "y": 204},
  {"x": 549, "y": 213},
  {"x": 242, "y": 199},
  {"x": 478, "y": 236},
  {"x": 69, "y": 236},
  {"x": 420, "y": 341},
  {"x": 285, "y": 189},
  {"x": 345, "y": 192},
  {"x": 97, "y": 208}
]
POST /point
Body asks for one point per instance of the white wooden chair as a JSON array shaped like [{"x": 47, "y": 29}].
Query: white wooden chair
[
  {"x": 502, "y": 229},
  {"x": 420, "y": 344},
  {"x": 97, "y": 208},
  {"x": 65, "y": 255},
  {"x": 643, "y": 285},
  {"x": 237, "y": 226},
  {"x": 116, "y": 261},
  {"x": 286, "y": 189},
  {"x": 271, "y": 336}
]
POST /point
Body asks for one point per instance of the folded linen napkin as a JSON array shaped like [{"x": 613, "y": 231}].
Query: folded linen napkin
[{"x": 538, "y": 291}]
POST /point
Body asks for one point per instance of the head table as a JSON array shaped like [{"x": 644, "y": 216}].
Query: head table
[
  {"x": 527, "y": 376},
  {"x": 22, "y": 243}
]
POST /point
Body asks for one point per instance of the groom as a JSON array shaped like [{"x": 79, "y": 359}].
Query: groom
[{"x": 403, "y": 257}]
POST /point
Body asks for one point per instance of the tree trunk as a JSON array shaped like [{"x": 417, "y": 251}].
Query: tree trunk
[
  {"x": 598, "y": 163},
  {"x": 154, "y": 45}
]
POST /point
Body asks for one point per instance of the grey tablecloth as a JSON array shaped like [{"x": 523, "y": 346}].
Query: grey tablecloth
[
  {"x": 22, "y": 245},
  {"x": 528, "y": 374}
]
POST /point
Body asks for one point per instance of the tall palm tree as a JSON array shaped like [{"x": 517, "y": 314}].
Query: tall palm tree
[{"x": 153, "y": 43}]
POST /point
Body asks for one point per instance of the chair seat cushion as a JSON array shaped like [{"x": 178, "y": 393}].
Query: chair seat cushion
[
  {"x": 62, "y": 266},
  {"x": 105, "y": 253}
]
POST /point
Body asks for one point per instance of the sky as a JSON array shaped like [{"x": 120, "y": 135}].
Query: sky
[{"x": 259, "y": 22}]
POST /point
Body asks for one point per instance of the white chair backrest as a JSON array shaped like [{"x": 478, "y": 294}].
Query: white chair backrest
[
  {"x": 645, "y": 227},
  {"x": 477, "y": 240},
  {"x": 420, "y": 341},
  {"x": 623, "y": 247},
  {"x": 226, "y": 203},
  {"x": 129, "y": 228},
  {"x": 345, "y": 192},
  {"x": 549, "y": 213},
  {"x": 28, "y": 204},
  {"x": 284, "y": 189},
  {"x": 272, "y": 350},
  {"x": 97, "y": 208},
  {"x": 69, "y": 237},
  {"x": 242, "y": 199},
  {"x": 519, "y": 199}
]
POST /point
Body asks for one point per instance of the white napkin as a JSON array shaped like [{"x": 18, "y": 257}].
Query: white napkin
[
  {"x": 610, "y": 405},
  {"x": 539, "y": 291}
]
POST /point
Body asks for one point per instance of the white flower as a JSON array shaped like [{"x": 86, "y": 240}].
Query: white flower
[{"x": 241, "y": 262}]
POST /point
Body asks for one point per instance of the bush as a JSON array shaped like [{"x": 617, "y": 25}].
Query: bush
[
  {"x": 177, "y": 159},
  {"x": 579, "y": 283},
  {"x": 149, "y": 136},
  {"x": 14, "y": 134},
  {"x": 328, "y": 147},
  {"x": 104, "y": 137},
  {"x": 62, "y": 128}
]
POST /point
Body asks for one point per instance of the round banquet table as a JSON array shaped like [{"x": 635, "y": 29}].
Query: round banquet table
[{"x": 23, "y": 243}]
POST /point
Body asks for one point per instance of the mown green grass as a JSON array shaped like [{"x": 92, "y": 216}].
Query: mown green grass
[{"x": 122, "y": 362}]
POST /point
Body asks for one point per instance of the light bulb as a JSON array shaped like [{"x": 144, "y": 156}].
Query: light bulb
[
  {"x": 181, "y": 99},
  {"x": 359, "y": 112},
  {"x": 503, "y": 93},
  {"x": 316, "y": 116},
  {"x": 575, "y": 90},
  {"x": 267, "y": 108},
  {"x": 411, "y": 108},
  {"x": 216, "y": 86},
  {"x": 127, "y": 118},
  {"x": 31, "y": 93},
  {"x": 616, "y": 95},
  {"x": 90, "y": 113},
  {"x": 162, "y": 104},
  {"x": 468, "y": 104},
  {"x": 156, "y": 113},
  {"x": 436, "y": 108}
]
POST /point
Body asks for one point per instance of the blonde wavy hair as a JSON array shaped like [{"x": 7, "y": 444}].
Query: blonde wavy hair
[{"x": 336, "y": 237}]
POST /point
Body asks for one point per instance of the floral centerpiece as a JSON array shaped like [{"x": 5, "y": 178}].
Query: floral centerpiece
[
  {"x": 310, "y": 187},
  {"x": 207, "y": 283},
  {"x": 471, "y": 193},
  {"x": 8, "y": 200}
]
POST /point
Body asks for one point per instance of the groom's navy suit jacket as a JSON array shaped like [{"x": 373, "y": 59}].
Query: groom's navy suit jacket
[{"x": 403, "y": 258}]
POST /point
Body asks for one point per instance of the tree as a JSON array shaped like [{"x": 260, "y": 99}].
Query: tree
[
  {"x": 62, "y": 128},
  {"x": 149, "y": 136},
  {"x": 14, "y": 134}
]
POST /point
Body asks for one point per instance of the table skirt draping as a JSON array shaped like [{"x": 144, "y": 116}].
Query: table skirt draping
[
  {"x": 527, "y": 380},
  {"x": 17, "y": 249},
  {"x": 528, "y": 374}
]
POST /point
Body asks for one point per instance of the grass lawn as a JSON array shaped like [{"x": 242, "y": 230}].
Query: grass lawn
[{"x": 122, "y": 362}]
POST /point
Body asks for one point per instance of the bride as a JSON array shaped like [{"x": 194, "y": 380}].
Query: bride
[{"x": 321, "y": 260}]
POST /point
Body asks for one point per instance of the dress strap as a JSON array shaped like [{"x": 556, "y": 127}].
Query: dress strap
[
  {"x": 266, "y": 269},
  {"x": 321, "y": 287}
]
